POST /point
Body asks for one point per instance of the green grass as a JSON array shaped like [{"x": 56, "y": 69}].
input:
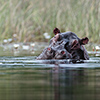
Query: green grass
[{"x": 29, "y": 19}]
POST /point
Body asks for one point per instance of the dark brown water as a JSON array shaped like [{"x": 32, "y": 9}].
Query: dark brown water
[{"x": 24, "y": 78}]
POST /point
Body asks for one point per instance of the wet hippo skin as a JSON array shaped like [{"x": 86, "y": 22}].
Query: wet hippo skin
[{"x": 65, "y": 45}]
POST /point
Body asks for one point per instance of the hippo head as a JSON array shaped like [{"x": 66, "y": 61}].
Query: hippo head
[
  {"x": 65, "y": 45},
  {"x": 73, "y": 42},
  {"x": 74, "y": 45},
  {"x": 48, "y": 53}
]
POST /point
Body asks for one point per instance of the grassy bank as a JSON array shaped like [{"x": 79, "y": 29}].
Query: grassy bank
[{"x": 29, "y": 19}]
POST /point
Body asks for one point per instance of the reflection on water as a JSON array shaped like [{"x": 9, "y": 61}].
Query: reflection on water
[{"x": 24, "y": 78}]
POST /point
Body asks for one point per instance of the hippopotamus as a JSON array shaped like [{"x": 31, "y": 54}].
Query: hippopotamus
[
  {"x": 65, "y": 45},
  {"x": 74, "y": 45},
  {"x": 56, "y": 51}
]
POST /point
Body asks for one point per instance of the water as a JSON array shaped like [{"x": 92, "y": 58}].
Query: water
[{"x": 24, "y": 78}]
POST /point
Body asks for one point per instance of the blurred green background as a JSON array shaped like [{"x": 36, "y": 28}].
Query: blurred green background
[{"x": 30, "y": 19}]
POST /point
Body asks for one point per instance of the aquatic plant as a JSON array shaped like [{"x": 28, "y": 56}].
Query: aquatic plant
[{"x": 30, "y": 19}]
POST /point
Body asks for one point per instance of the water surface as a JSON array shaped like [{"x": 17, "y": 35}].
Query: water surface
[{"x": 24, "y": 78}]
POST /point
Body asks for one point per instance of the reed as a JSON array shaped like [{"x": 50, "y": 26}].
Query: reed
[{"x": 29, "y": 19}]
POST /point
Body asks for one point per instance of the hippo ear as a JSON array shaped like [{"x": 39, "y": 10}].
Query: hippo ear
[
  {"x": 56, "y": 31},
  {"x": 84, "y": 41}
]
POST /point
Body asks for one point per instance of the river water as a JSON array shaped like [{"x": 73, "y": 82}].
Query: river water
[
  {"x": 25, "y": 78},
  {"x": 22, "y": 77}
]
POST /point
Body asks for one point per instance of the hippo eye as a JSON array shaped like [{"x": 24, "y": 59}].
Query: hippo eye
[
  {"x": 67, "y": 43},
  {"x": 62, "y": 52},
  {"x": 48, "y": 49}
]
